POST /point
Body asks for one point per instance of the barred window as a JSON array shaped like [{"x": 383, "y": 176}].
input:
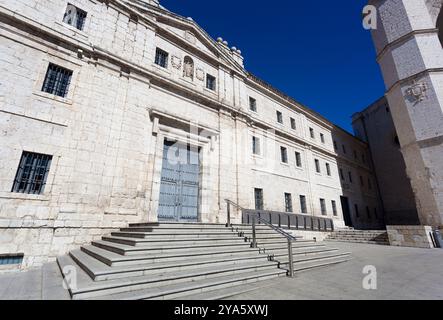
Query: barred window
[
  {"x": 303, "y": 206},
  {"x": 252, "y": 104},
  {"x": 161, "y": 58},
  {"x": 258, "y": 195},
  {"x": 323, "y": 207},
  {"x": 75, "y": 17},
  {"x": 57, "y": 80},
  {"x": 288, "y": 202},
  {"x": 334, "y": 207},
  {"x": 32, "y": 173},
  {"x": 210, "y": 82}
]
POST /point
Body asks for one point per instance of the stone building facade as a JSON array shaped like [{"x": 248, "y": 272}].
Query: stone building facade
[
  {"x": 410, "y": 55},
  {"x": 94, "y": 97}
]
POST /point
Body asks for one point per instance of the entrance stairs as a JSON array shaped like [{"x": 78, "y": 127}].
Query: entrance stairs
[
  {"x": 379, "y": 237},
  {"x": 185, "y": 261}
]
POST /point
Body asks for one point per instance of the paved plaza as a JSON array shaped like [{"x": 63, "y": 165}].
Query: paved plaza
[{"x": 402, "y": 273}]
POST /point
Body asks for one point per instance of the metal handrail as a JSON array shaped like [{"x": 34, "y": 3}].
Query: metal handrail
[{"x": 229, "y": 203}]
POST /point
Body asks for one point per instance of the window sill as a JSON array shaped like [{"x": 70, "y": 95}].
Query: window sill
[
  {"x": 161, "y": 69},
  {"x": 257, "y": 156},
  {"x": 284, "y": 164},
  {"x": 53, "y": 97},
  {"x": 23, "y": 196},
  {"x": 76, "y": 32},
  {"x": 213, "y": 92}
]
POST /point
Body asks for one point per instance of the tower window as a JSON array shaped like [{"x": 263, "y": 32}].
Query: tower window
[
  {"x": 32, "y": 173},
  {"x": 57, "y": 80},
  {"x": 210, "y": 82},
  {"x": 284, "y": 154},
  {"x": 252, "y": 104},
  {"x": 317, "y": 166},
  {"x": 279, "y": 117},
  {"x": 75, "y": 17},
  {"x": 161, "y": 58}
]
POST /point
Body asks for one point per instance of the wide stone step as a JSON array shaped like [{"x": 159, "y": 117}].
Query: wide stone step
[
  {"x": 303, "y": 262},
  {"x": 174, "y": 241},
  {"x": 194, "y": 287},
  {"x": 360, "y": 241},
  {"x": 87, "y": 288},
  {"x": 115, "y": 259},
  {"x": 124, "y": 249},
  {"x": 99, "y": 271},
  {"x": 302, "y": 252},
  {"x": 295, "y": 246},
  {"x": 174, "y": 235}
]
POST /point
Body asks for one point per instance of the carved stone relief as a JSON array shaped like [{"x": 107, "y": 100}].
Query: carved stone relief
[
  {"x": 200, "y": 74},
  {"x": 176, "y": 62},
  {"x": 189, "y": 36}
]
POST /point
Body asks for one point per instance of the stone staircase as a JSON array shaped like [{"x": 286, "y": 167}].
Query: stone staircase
[
  {"x": 360, "y": 236},
  {"x": 186, "y": 261}
]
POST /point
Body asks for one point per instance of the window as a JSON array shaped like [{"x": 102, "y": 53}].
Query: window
[
  {"x": 323, "y": 207},
  {"x": 375, "y": 213},
  {"x": 335, "y": 145},
  {"x": 293, "y": 125},
  {"x": 342, "y": 176},
  {"x": 279, "y": 117},
  {"x": 363, "y": 158},
  {"x": 256, "y": 145},
  {"x": 303, "y": 207},
  {"x": 350, "y": 176},
  {"x": 284, "y": 154},
  {"x": 32, "y": 173},
  {"x": 334, "y": 207},
  {"x": 298, "y": 159},
  {"x": 328, "y": 169},
  {"x": 210, "y": 82},
  {"x": 75, "y": 17},
  {"x": 252, "y": 104},
  {"x": 357, "y": 214},
  {"x": 317, "y": 166},
  {"x": 258, "y": 195},
  {"x": 161, "y": 58},
  {"x": 368, "y": 213},
  {"x": 288, "y": 202},
  {"x": 344, "y": 148},
  {"x": 57, "y": 81},
  {"x": 8, "y": 259},
  {"x": 322, "y": 138},
  {"x": 361, "y": 181},
  {"x": 311, "y": 132},
  {"x": 369, "y": 184},
  {"x": 355, "y": 155}
]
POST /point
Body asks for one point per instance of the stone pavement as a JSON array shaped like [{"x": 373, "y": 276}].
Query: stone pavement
[{"x": 402, "y": 273}]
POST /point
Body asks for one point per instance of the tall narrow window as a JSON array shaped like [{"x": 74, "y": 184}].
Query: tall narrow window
[
  {"x": 357, "y": 214},
  {"x": 210, "y": 82},
  {"x": 355, "y": 155},
  {"x": 252, "y": 104},
  {"x": 317, "y": 166},
  {"x": 57, "y": 80},
  {"x": 303, "y": 207},
  {"x": 335, "y": 145},
  {"x": 293, "y": 125},
  {"x": 363, "y": 158},
  {"x": 342, "y": 176},
  {"x": 284, "y": 154},
  {"x": 258, "y": 196},
  {"x": 368, "y": 213},
  {"x": 75, "y": 17},
  {"x": 298, "y": 159},
  {"x": 344, "y": 148},
  {"x": 375, "y": 213},
  {"x": 334, "y": 207},
  {"x": 161, "y": 58},
  {"x": 322, "y": 138},
  {"x": 350, "y": 176},
  {"x": 311, "y": 132},
  {"x": 288, "y": 202},
  {"x": 328, "y": 169},
  {"x": 32, "y": 173},
  {"x": 323, "y": 207},
  {"x": 369, "y": 184},
  {"x": 361, "y": 181},
  {"x": 279, "y": 117},
  {"x": 256, "y": 145}
]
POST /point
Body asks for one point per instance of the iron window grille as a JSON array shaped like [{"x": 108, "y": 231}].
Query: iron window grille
[
  {"x": 317, "y": 166},
  {"x": 293, "y": 124},
  {"x": 258, "y": 195},
  {"x": 32, "y": 173},
  {"x": 284, "y": 154},
  {"x": 303, "y": 206},
  {"x": 256, "y": 145},
  {"x": 288, "y": 202},
  {"x": 8, "y": 259},
  {"x": 252, "y": 104},
  {"x": 298, "y": 159},
  {"x": 323, "y": 207},
  {"x": 57, "y": 80},
  {"x": 279, "y": 117},
  {"x": 161, "y": 58},
  {"x": 334, "y": 207},
  {"x": 210, "y": 82},
  {"x": 75, "y": 17},
  {"x": 328, "y": 169}
]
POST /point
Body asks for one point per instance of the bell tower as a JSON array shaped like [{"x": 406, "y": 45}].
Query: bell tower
[{"x": 410, "y": 55}]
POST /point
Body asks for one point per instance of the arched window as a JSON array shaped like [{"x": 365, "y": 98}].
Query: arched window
[
  {"x": 440, "y": 26},
  {"x": 188, "y": 67}
]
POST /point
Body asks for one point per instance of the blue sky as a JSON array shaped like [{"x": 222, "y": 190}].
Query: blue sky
[{"x": 318, "y": 54}]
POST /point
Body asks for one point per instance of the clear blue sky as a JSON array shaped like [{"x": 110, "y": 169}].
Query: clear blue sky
[{"x": 315, "y": 51}]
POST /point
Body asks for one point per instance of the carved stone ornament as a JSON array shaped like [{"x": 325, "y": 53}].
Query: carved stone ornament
[
  {"x": 189, "y": 36},
  {"x": 200, "y": 74},
  {"x": 176, "y": 62},
  {"x": 417, "y": 91}
]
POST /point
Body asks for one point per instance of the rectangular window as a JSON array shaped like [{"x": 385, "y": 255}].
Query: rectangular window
[
  {"x": 344, "y": 148},
  {"x": 252, "y": 104},
  {"x": 334, "y": 207},
  {"x": 293, "y": 125},
  {"x": 335, "y": 145},
  {"x": 256, "y": 145},
  {"x": 161, "y": 58},
  {"x": 328, "y": 169},
  {"x": 298, "y": 159},
  {"x": 342, "y": 176},
  {"x": 32, "y": 173},
  {"x": 361, "y": 181},
  {"x": 284, "y": 154},
  {"x": 258, "y": 196},
  {"x": 350, "y": 176},
  {"x": 210, "y": 82},
  {"x": 375, "y": 213},
  {"x": 57, "y": 80},
  {"x": 355, "y": 155},
  {"x": 311, "y": 132},
  {"x": 323, "y": 207},
  {"x": 8, "y": 259},
  {"x": 368, "y": 213},
  {"x": 317, "y": 166},
  {"x": 288, "y": 202},
  {"x": 322, "y": 138},
  {"x": 357, "y": 214},
  {"x": 279, "y": 117},
  {"x": 303, "y": 206},
  {"x": 363, "y": 158},
  {"x": 369, "y": 184},
  {"x": 75, "y": 17}
]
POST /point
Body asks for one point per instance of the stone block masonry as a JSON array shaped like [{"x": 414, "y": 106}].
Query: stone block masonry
[{"x": 410, "y": 236}]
